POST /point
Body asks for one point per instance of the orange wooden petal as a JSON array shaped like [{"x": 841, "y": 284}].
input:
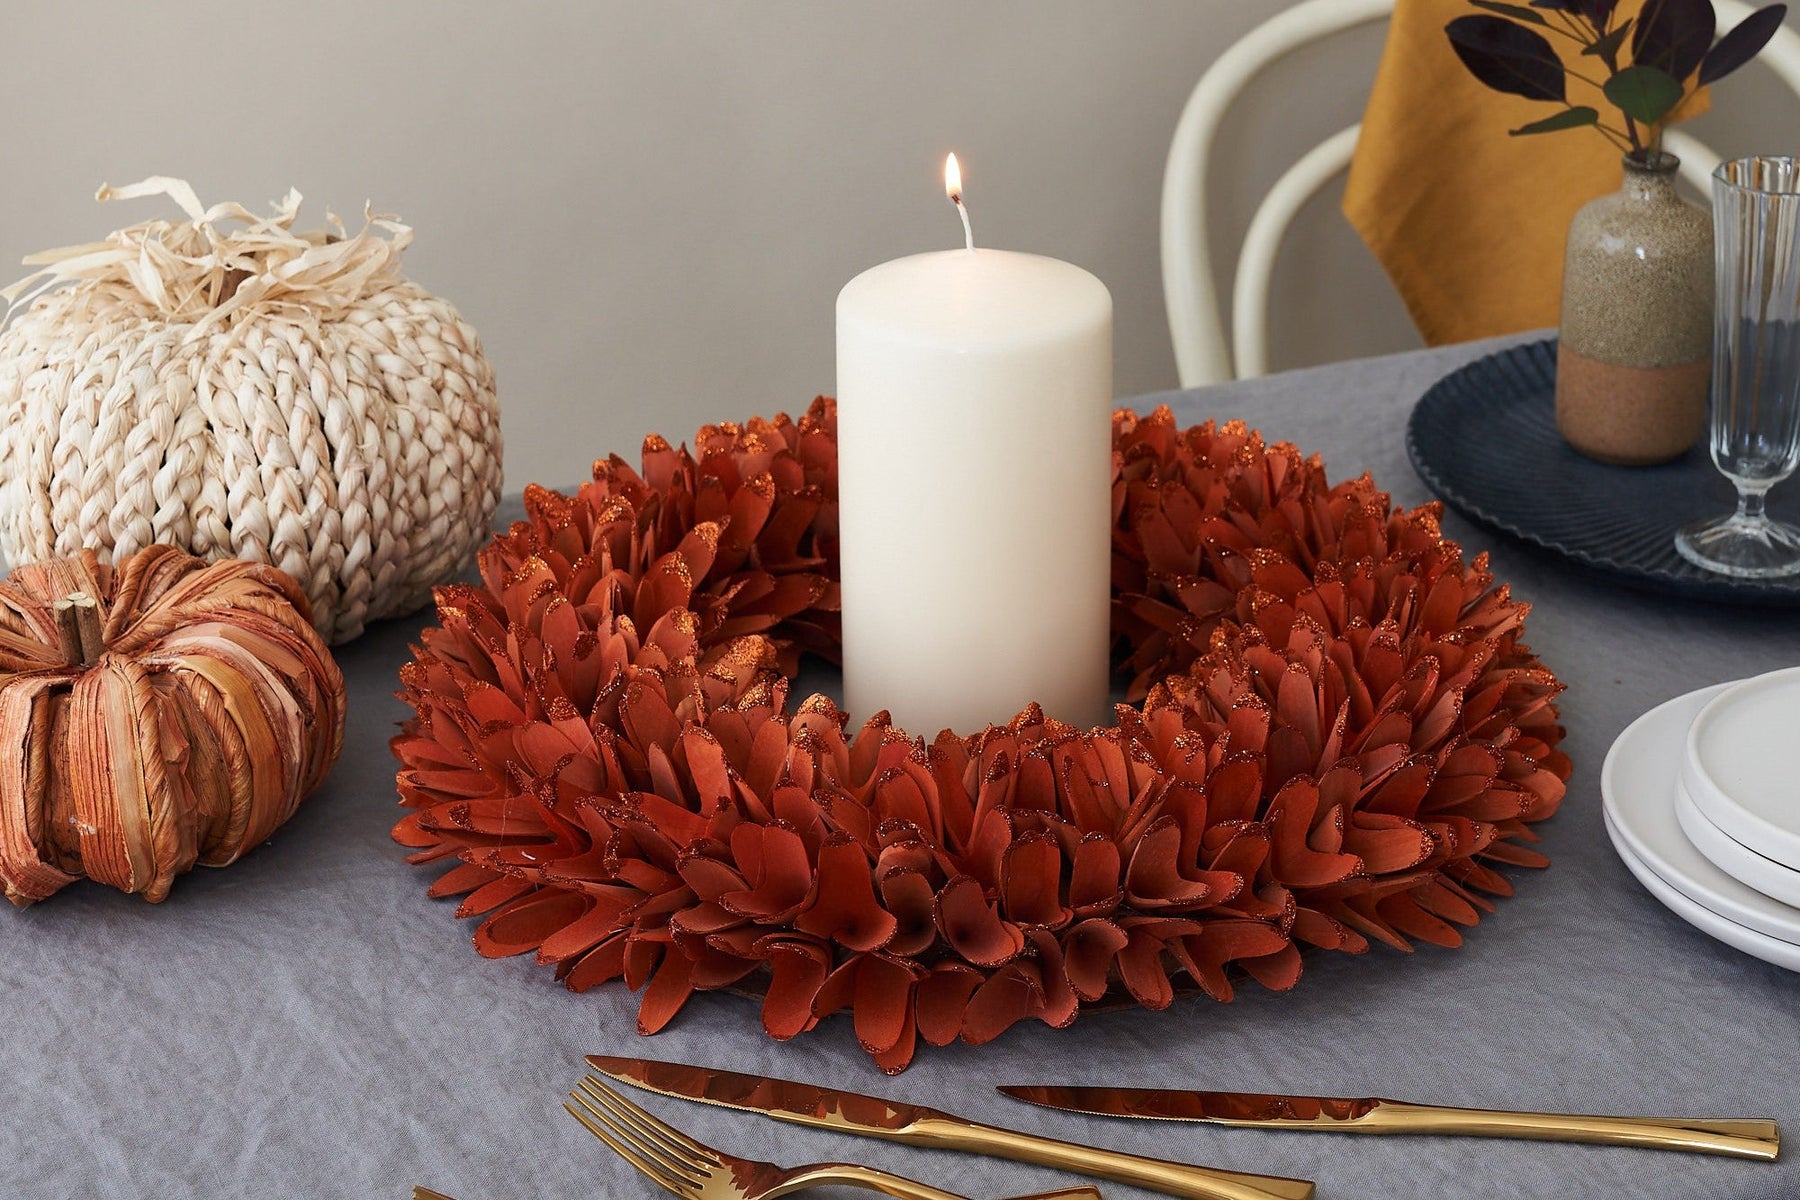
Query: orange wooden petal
[
  {"x": 1007, "y": 997},
  {"x": 1030, "y": 882},
  {"x": 666, "y": 992},
  {"x": 883, "y": 1002},
  {"x": 943, "y": 998},
  {"x": 843, "y": 905},
  {"x": 1089, "y": 950},
  {"x": 524, "y": 923},
  {"x": 973, "y": 927}
]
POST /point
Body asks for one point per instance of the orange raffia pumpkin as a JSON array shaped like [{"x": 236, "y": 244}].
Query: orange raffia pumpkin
[{"x": 154, "y": 715}]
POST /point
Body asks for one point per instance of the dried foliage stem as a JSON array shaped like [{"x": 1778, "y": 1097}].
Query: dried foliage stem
[{"x": 1673, "y": 52}]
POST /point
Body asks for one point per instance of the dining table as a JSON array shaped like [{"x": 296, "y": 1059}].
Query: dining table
[{"x": 310, "y": 1023}]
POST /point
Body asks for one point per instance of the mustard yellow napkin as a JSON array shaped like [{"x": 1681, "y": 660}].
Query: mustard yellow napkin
[{"x": 1468, "y": 222}]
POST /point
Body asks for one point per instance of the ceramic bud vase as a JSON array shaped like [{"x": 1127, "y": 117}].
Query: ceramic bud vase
[{"x": 1634, "y": 359}]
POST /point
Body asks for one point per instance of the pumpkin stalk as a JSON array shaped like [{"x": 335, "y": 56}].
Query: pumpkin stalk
[
  {"x": 78, "y": 629},
  {"x": 229, "y": 284}
]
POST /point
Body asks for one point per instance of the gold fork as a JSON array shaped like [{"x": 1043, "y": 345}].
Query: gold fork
[{"x": 693, "y": 1171}]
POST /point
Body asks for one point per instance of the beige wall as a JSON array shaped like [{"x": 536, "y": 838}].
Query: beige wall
[{"x": 647, "y": 209}]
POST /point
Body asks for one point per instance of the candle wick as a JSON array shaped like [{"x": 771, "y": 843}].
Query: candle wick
[{"x": 962, "y": 210}]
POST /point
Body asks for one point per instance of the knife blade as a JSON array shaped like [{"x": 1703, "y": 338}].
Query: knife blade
[
  {"x": 914, "y": 1124},
  {"x": 1757, "y": 1139}
]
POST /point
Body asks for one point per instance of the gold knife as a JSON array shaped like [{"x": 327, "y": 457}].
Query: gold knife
[
  {"x": 1740, "y": 1139},
  {"x": 916, "y": 1125}
]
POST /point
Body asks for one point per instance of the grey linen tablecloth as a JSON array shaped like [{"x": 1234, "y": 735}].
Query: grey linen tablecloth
[{"x": 308, "y": 1023}]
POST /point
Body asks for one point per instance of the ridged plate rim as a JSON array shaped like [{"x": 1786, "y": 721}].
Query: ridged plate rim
[{"x": 1519, "y": 375}]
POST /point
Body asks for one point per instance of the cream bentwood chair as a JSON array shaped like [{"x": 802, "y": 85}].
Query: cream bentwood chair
[{"x": 1195, "y": 323}]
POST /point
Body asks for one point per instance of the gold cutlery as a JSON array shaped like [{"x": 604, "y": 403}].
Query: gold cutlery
[
  {"x": 1758, "y": 1139},
  {"x": 913, "y": 1124},
  {"x": 694, "y": 1171},
  {"x": 421, "y": 1192}
]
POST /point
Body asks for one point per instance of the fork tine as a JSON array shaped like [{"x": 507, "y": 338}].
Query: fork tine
[
  {"x": 701, "y": 1155},
  {"x": 645, "y": 1144},
  {"x": 656, "y": 1172},
  {"x": 646, "y": 1127}
]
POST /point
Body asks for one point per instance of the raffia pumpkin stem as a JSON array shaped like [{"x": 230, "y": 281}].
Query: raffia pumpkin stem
[
  {"x": 78, "y": 629},
  {"x": 229, "y": 284}
]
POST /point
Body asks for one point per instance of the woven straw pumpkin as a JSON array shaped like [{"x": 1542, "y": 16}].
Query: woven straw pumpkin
[
  {"x": 248, "y": 392},
  {"x": 161, "y": 715}
]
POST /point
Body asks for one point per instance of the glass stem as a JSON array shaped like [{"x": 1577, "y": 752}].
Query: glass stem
[{"x": 1750, "y": 504}]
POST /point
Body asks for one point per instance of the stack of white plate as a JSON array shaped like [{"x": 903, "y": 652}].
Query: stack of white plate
[{"x": 1702, "y": 800}]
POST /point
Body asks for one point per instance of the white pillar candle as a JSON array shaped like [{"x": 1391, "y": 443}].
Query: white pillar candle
[{"x": 974, "y": 469}]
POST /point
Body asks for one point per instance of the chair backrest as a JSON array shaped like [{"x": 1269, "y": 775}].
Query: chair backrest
[{"x": 1196, "y": 325}]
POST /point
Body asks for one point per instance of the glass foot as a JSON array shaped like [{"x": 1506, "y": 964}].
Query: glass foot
[{"x": 1746, "y": 547}]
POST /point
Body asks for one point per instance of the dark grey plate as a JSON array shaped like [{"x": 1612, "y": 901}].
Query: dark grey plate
[{"x": 1484, "y": 438}]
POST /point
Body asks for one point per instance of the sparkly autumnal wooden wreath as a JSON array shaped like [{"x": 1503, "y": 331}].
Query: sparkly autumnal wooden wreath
[{"x": 1340, "y": 735}]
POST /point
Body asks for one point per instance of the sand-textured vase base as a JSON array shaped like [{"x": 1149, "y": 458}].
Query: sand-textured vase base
[
  {"x": 1634, "y": 357},
  {"x": 1629, "y": 416}
]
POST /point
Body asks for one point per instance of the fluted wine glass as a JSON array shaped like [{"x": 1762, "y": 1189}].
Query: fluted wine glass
[{"x": 1755, "y": 415}]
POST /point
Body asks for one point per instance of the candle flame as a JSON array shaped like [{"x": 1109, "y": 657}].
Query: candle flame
[{"x": 953, "y": 189}]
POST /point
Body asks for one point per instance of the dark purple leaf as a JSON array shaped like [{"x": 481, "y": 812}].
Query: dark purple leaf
[
  {"x": 1673, "y": 36},
  {"x": 1517, "y": 12},
  {"x": 1507, "y": 57},
  {"x": 1569, "y": 118},
  {"x": 1742, "y": 43},
  {"x": 1607, "y": 48},
  {"x": 1599, "y": 12},
  {"x": 1643, "y": 93}
]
